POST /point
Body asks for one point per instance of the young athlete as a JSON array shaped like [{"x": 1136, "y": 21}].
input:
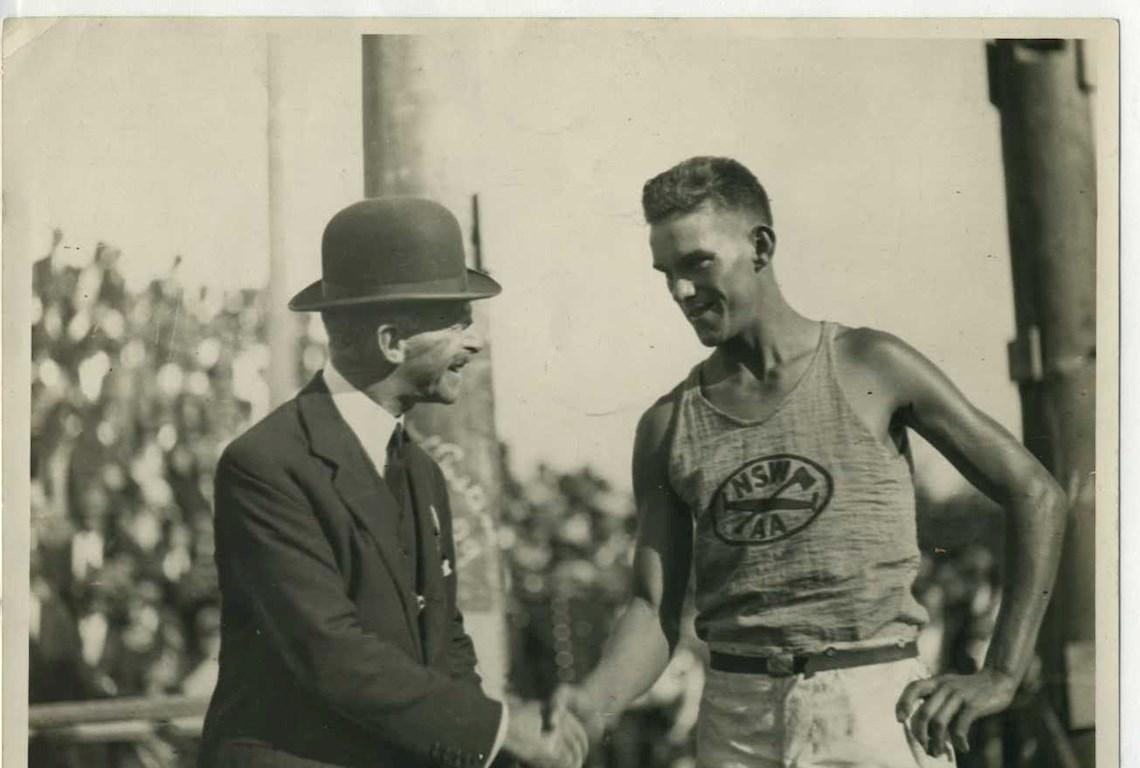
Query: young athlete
[{"x": 780, "y": 468}]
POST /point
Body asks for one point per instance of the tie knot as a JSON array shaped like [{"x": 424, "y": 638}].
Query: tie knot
[{"x": 396, "y": 443}]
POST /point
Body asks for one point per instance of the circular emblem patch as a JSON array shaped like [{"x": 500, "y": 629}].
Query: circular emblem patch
[{"x": 769, "y": 499}]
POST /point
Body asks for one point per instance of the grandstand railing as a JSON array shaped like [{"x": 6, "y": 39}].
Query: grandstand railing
[
  {"x": 144, "y": 717},
  {"x": 123, "y": 719}
]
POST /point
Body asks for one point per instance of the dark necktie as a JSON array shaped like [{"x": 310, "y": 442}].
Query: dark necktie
[
  {"x": 395, "y": 452},
  {"x": 396, "y": 476}
]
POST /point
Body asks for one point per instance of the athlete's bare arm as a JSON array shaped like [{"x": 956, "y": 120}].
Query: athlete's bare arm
[
  {"x": 921, "y": 397},
  {"x": 646, "y": 634}
]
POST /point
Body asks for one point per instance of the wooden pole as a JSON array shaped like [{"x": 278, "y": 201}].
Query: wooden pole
[
  {"x": 1041, "y": 88},
  {"x": 399, "y": 100},
  {"x": 282, "y": 324}
]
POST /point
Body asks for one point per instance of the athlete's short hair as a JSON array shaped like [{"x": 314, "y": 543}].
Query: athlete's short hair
[{"x": 721, "y": 180}]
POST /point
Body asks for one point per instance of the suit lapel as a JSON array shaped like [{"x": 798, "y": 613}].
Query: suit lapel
[
  {"x": 357, "y": 483},
  {"x": 423, "y": 490}
]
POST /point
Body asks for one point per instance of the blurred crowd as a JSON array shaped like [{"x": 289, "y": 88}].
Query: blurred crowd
[
  {"x": 133, "y": 396},
  {"x": 135, "y": 393}
]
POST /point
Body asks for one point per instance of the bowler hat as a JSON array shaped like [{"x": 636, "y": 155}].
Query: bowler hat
[{"x": 390, "y": 249}]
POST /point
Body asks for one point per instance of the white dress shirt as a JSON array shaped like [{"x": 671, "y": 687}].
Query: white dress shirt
[
  {"x": 367, "y": 419},
  {"x": 373, "y": 426}
]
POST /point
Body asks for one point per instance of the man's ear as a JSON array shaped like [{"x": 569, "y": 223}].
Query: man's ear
[
  {"x": 764, "y": 245},
  {"x": 390, "y": 343}
]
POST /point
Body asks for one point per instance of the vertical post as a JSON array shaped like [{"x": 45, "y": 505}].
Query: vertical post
[
  {"x": 281, "y": 323},
  {"x": 399, "y": 100},
  {"x": 1041, "y": 88}
]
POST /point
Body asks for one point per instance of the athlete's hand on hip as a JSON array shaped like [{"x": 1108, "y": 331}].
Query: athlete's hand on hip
[{"x": 945, "y": 706}]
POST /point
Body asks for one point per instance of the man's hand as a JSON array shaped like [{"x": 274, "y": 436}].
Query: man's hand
[
  {"x": 562, "y": 745},
  {"x": 584, "y": 705},
  {"x": 951, "y": 704}
]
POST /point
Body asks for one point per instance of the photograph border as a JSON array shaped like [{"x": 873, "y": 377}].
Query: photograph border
[{"x": 1116, "y": 117}]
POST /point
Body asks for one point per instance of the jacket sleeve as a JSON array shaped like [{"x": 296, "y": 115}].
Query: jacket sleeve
[{"x": 283, "y": 567}]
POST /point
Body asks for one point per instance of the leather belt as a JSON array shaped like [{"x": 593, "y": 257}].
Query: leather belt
[{"x": 784, "y": 665}]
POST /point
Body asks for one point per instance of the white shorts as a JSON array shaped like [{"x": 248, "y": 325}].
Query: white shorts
[{"x": 839, "y": 717}]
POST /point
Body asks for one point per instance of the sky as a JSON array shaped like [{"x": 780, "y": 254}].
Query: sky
[{"x": 881, "y": 156}]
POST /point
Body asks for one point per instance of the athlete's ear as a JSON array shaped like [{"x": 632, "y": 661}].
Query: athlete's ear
[{"x": 764, "y": 245}]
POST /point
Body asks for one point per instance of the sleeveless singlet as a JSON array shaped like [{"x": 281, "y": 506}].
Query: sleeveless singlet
[{"x": 805, "y": 521}]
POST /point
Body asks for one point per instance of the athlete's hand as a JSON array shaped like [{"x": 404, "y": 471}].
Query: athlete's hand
[
  {"x": 583, "y": 704},
  {"x": 543, "y": 741},
  {"x": 950, "y": 704}
]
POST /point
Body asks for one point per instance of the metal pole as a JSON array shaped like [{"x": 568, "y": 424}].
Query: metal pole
[
  {"x": 1041, "y": 88},
  {"x": 399, "y": 99}
]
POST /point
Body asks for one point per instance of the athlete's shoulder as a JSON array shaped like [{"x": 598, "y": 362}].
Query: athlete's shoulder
[
  {"x": 655, "y": 428},
  {"x": 884, "y": 362},
  {"x": 871, "y": 347}
]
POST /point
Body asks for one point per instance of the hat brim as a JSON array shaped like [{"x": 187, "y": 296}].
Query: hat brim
[{"x": 312, "y": 298}]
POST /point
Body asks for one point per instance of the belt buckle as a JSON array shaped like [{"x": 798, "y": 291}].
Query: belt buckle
[{"x": 781, "y": 665}]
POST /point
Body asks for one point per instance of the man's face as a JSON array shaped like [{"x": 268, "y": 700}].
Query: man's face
[
  {"x": 708, "y": 258},
  {"x": 436, "y": 350}
]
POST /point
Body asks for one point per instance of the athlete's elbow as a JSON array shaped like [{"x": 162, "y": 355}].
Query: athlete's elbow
[
  {"x": 1054, "y": 502},
  {"x": 1044, "y": 502}
]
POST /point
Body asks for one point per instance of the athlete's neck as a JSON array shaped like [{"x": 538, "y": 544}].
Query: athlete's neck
[{"x": 778, "y": 334}]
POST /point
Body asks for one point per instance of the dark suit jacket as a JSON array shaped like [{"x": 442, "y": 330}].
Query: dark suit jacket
[{"x": 326, "y": 658}]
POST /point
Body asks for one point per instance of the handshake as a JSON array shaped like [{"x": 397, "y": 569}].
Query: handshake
[{"x": 557, "y": 733}]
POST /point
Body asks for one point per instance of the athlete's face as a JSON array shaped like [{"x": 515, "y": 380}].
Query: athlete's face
[{"x": 710, "y": 262}]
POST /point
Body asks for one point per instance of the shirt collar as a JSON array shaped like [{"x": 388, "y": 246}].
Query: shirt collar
[{"x": 368, "y": 420}]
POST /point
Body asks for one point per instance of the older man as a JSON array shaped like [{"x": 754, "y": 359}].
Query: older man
[{"x": 342, "y": 644}]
